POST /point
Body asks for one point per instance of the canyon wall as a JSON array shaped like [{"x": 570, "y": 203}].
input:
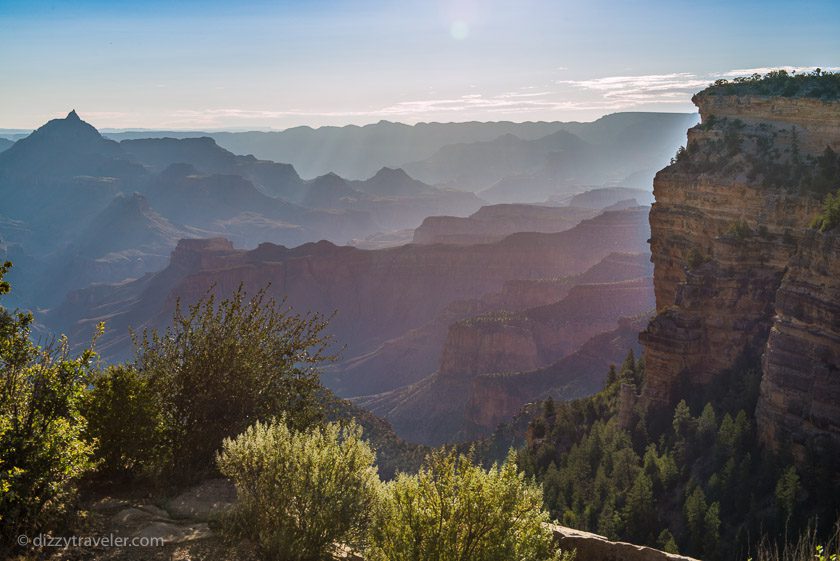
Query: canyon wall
[
  {"x": 739, "y": 273},
  {"x": 800, "y": 386}
]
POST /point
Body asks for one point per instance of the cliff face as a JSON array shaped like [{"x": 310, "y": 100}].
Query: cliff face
[
  {"x": 495, "y": 398},
  {"x": 500, "y": 343},
  {"x": 738, "y": 272},
  {"x": 800, "y": 386},
  {"x": 536, "y": 337},
  {"x": 816, "y": 121}
]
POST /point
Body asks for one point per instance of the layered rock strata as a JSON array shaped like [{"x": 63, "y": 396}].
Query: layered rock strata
[{"x": 739, "y": 272}]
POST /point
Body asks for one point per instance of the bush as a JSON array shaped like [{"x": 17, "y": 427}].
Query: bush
[
  {"x": 830, "y": 216},
  {"x": 453, "y": 509},
  {"x": 42, "y": 451},
  {"x": 221, "y": 367},
  {"x": 299, "y": 493},
  {"x": 125, "y": 420}
]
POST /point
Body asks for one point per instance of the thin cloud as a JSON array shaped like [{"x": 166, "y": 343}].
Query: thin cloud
[
  {"x": 594, "y": 95},
  {"x": 676, "y": 87}
]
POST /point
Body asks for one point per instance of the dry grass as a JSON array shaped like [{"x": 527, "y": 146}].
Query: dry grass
[{"x": 805, "y": 547}]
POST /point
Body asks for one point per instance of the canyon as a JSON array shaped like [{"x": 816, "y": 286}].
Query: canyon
[{"x": 375, "y": 294}]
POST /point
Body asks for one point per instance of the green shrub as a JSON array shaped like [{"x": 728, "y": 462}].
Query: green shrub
[
  {"x": 453, "y": 509},
  {"x": 222, "y": 366},
  {"x": 42, "y": 450},
  {"x": 830, "y": 216},
  {"x": 300, "y": 493},
  {"x": 125, "y": 420}
]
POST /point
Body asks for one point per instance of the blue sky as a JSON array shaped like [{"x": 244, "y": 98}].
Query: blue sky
[{"x": 243, "y": 65}]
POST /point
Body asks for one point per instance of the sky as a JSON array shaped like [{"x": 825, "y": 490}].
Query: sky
[{"x": 212, "y": 65}]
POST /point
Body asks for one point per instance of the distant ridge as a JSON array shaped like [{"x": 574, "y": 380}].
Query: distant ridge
[{"x": 358, "y": 152}]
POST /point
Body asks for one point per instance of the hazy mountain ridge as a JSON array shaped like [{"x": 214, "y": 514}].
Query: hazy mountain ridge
[
  {"x": 358, "y": 152},
  {"x": 624, "y": 148},
  {"x": 352, "y": 151},
  {"x": 60, "y": 179}
]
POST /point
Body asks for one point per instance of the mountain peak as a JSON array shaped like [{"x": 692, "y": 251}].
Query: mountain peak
[
  {"x": 391, "y": 173},
  {"x": 61, "y": 147}
]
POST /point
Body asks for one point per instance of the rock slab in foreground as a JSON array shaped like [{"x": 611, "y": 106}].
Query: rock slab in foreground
[{"x": 592, "y": 547}]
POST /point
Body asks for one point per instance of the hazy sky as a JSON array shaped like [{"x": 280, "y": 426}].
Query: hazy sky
[{"x": 208, "y": 65}]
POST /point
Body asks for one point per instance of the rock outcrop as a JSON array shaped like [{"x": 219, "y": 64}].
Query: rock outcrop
[
  {"x": 517, "y": 342},
  {"x": 738, "y": 271},
  {"x": 496, "y": 398},
  {"x": 492, "y": 223},
  {"x": 592, "y": 547}
]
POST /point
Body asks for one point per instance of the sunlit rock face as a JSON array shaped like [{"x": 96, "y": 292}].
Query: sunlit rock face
[{"x": 739, "y": 272}]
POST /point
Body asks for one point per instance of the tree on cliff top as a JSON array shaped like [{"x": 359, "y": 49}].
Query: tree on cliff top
[{"x": 817, "y": 84}]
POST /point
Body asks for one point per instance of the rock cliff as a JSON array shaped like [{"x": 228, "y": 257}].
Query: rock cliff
[
  {"x": 800, "y": 386},
  {"x": 739, "y": 273},
  {"x": 494, "y": 222},
  {"x": 517, "y": 342}
]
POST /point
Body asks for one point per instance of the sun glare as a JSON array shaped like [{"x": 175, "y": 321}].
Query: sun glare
[{"x": 459, "y": 30}]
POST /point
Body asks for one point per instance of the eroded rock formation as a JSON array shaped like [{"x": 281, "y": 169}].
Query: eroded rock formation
[
  {"x": 739, "y": 272},
  {"x": 494, "y": 222}
]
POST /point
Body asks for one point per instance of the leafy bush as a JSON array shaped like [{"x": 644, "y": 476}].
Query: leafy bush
[
  {"x": 300, "y": 493},
  {"x": 830, "y": 216},
  {"x": 125, "y": 420},
  {"x": 221, "y": 367},
  {"x": 42, "y": 450},
  {"x": 453, "y": 509}
]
